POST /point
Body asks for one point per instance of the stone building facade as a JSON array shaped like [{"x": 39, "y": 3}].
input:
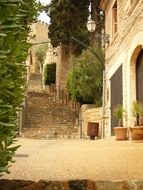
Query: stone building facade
[
  {"x": 38, "y": 35},
  {"x": 40, "y": 40},
  {"x": 123, "y": 58}
]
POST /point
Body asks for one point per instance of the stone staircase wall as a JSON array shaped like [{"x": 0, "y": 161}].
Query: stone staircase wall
[{"x": 45, "y": 116}]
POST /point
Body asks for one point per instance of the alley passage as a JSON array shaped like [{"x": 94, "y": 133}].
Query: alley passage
[{"x": 77, "y": 159}]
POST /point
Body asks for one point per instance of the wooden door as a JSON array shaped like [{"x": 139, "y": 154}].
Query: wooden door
[{"x": 116, "y": 95}]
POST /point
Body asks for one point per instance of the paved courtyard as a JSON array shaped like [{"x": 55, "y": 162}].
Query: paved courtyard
[{"x": 77, "y": 159}]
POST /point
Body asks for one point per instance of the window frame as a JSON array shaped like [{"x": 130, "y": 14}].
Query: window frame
[{"x": 114, "y": 19}]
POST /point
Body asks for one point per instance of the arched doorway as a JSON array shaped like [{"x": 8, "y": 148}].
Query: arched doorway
[{"x": 139, "y": 77}]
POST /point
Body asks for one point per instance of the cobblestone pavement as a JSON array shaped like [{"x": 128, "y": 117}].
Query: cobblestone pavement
[{"x": 77, "y": 159}]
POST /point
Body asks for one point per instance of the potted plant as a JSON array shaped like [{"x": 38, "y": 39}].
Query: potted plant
[
  {"x": 137, "y": 130},
  {"x": 120, "y": 131}
]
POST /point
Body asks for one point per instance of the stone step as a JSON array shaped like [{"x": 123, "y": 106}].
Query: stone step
[
  {"x": 49, "y": 117},
  {"x": 37, "y": 125},
  {"x": 50, "y": 133},
  {"x": 46, "y": 115}
]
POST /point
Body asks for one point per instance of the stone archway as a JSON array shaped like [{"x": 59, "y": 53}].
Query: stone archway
[
  {"x": 136, "y": 44},
  {"x": 139, "y": 77},
  {"x": 133, "y": 61},
  {"x": 133, "y": 79}
]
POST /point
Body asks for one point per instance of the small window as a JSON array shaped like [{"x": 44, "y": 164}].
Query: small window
[{"x": 114, "y": 18}]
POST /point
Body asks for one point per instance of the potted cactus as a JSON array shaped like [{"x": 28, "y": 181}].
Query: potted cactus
[
  {"x": 120, "y": 131},
  {"x": 137, "y": 130}
]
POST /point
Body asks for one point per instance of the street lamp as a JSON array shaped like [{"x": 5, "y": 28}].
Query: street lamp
[{"x": 91, "y": 26}]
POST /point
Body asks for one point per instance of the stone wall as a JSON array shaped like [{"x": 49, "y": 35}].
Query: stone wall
[
  {"x": 123, "y": 49},
  {"x": 90, "y": 113},
  {"x": 35, "y": 83},
  {"x": 71, "y": 185},
  {"x": 40, "y": 32}
]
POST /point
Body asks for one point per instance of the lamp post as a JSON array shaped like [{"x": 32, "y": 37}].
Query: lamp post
[{"x": 91, "y": 26}]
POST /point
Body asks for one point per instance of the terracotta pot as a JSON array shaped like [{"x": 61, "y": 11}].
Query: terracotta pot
[
  {"x": 136, "y": 133},
  {"x": 121, "y": 133}
]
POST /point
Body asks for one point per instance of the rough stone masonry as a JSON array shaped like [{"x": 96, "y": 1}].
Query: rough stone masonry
[{"x": 71, "y": 185}]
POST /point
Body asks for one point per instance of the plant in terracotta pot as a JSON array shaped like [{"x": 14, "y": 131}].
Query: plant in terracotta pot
[
  {"x": 137, "y": 130},
  {"x": 120, "y": 131},
  {"x": 138, "y": 113}
]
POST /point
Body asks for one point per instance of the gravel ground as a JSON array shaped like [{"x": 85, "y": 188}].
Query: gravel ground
[{"x": 77, "y": 159}]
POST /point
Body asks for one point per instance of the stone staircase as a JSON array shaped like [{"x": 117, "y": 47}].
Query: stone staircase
[{"x": 46, "y": 117}]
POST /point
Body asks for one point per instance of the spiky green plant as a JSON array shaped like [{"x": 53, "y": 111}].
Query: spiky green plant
[
  {"x": 137, "y": 111},
  {"x": 119, "y": 113}
]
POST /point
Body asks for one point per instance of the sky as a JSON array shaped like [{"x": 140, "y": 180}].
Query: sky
[{"x": 43, "y": 16}]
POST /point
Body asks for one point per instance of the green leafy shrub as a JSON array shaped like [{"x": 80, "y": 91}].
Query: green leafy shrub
[
  {"x": 84, "y": 81},
  {"x": 50, "y": 74},
  {"x": 15, "y": 18}
]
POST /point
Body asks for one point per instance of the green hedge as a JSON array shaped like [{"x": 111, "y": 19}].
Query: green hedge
[
  {"x": 50, "y": 74},
  {"x": 15, "y": 18},
  {"x": 84, "y": 82}
]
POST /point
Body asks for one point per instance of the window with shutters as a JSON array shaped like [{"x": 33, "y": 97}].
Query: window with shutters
[{"x": 114, "y": 18}]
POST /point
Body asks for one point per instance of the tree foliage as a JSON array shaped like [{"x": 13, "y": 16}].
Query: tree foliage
[
  {"x": 15, "y": 18},
  {"x": 41, "y": 53},
  {"x": 85, "y": 78},
  {"x": 68, "y": 18},
  {"x": 50, "y": 74}
]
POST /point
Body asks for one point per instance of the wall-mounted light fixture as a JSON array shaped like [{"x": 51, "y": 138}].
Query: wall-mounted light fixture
[{"x": 91, "y": 26}]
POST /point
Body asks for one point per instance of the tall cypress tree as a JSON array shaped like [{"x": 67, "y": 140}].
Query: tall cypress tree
[{"x": 68, "y": 18}]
